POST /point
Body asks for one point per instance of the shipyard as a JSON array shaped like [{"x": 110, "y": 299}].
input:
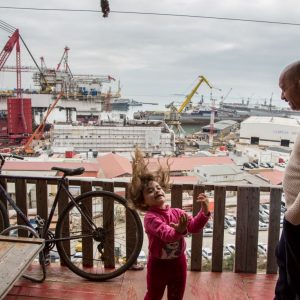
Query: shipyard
[{"x": 84, "y": 92}]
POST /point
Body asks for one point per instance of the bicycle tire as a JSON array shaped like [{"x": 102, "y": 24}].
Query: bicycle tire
[
  {"x": 4, "y": 220},
  {"x": 119, "y": 250}
]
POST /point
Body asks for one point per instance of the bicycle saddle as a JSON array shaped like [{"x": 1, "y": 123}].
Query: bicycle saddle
[{"x": 69, "y": 172}]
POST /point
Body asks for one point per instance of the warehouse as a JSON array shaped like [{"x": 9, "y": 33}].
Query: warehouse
[
  {"x": 269, "y": 131},
  {"x": 221, "y": 127}
]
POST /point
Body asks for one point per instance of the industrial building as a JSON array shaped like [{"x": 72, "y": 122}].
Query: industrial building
[
  {"x": 151, "y": 137},
  {"x": 269, "y": 131},
  {"x": 222, "y": 127}
]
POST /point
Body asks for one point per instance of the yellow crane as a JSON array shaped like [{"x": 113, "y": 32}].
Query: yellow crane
[
  {"x": 192, "y": 93},
  {"x": 172, "y": 118}
]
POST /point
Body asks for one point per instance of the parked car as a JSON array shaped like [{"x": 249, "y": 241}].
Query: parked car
[
  {"x": 271, "y": 165},
  {"x": 265, "y": 206},
  {"x": 188, "y": 253},
  {"x": 207, "y": 231},
  {"x": 207, "y": 253},
  {"x": 248, "y": 165},
  {"x": 262, "y": 226},
  {"x": 77, "y": 257},
  {"x": 262, "y": 249},
  {"x": 264, "y": 210},
  {"x": 263, "y": 217},
  {"x": 282, "y": 208},
  {"x": 230, "y": 248},
  {"x": 142, "y": 258},
  {"x": 232, "y": 230},
  {"x": 226, "y": 252},
  {"x": 209, "y": 224},
  {"x": 264, "y": 165},
  {"x": 230, "y": 221},
  {"x": 254, "y": 165},
  {"x": 54, "y": 256}
]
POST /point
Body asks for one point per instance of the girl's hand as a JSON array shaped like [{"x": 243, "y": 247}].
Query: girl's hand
[
  {"x": 202, "y": 198},
  {"x": 181, "y": 225}
]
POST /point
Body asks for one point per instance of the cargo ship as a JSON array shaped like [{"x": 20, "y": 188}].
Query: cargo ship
[{"x": 201, "y": 115}]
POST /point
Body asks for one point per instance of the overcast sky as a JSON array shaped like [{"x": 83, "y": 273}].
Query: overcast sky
[{"x": 157, "y": 57}]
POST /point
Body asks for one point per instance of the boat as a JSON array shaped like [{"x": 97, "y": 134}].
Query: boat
[
  {"x": 123, "y": 104},
  {"x": 201, "y": 114},
  {"x": 263, "y": 110}
]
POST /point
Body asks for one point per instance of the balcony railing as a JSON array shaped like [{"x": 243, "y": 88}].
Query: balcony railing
[{"x": 247, "y": 215}]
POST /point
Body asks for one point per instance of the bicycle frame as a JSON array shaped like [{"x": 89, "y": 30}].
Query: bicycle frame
[{"x": 62, "y": 185}]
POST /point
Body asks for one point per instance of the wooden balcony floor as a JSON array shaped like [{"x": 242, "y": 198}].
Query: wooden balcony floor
[{"x": 63, "y": 284}]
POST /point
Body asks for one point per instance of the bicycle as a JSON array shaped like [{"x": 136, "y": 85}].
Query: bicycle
[{"x": 90, "y": 234}]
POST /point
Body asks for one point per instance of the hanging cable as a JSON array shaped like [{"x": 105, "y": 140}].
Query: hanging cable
[{"x": 154, "y": 14}]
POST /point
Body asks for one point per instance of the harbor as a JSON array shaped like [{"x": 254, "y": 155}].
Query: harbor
[{"x": 83, "y": 84}]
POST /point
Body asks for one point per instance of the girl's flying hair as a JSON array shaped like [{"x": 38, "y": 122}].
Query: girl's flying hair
[{"x": 141, "y": 177}]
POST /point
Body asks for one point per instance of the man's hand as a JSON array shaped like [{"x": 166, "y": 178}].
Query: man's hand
[{"x": 181, "y": 225}]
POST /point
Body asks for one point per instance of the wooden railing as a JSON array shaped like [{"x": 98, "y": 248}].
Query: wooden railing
[{"x": 247, "y": 215}]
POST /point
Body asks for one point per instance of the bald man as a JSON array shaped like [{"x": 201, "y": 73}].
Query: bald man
[{"x": 288, "y": 249}]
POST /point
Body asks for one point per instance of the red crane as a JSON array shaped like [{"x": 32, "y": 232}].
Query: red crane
[{"x": 13, "y": 41}]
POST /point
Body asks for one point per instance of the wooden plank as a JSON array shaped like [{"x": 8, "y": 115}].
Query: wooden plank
[
  {"x": 218, "y": 231},
  {"x": 108, "y": 224},
  {"x": 274, "y": 229},
  {"x": 196, "y": 255},
  {"x": 42, "y": 195},
  {"x": 176, "y": 196},
  {"x": 21, "y": 201},
  {"x": 252, "y": 232},
  {"x": 4, "y": 184},
  {"x": 15, "y": 256},
  {"x": 62, "y": 203},
  {"x": 87, "y": 242},
  {"x": 130, "y": 231},
  {"x": 247, "y": 229}
]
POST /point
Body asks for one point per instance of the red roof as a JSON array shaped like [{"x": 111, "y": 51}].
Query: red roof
[
  {"x": 188, "y": 163},
  {"x": 46, "y": 166},
  {"x": 183, "y": 179},
  {"x": 273, "y": 176},
  {"x": 114, "y": 165}
]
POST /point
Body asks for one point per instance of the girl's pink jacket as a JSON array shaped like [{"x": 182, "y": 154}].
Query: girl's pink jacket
[{"x": 164, "y": 241}]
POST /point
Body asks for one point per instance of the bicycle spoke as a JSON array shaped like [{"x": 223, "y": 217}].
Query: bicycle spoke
[{"x": 108, "y": 250}]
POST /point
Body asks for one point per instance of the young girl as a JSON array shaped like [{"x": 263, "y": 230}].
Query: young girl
[{"x": 165, "y": 227}]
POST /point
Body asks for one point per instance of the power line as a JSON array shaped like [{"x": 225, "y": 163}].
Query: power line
[{"x": 153, "y": 14}]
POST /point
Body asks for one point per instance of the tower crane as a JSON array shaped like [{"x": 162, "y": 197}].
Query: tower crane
[
  {"x": 192, "y": 93},
  {"x": 15, "y": 132},
  {"x": 13, "y": 41},
  {"x": 223, "y": 98},
  {"x": 173, "y": 118}
]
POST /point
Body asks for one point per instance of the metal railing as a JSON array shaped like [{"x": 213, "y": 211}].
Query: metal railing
[{"x": 247, "y": 215}]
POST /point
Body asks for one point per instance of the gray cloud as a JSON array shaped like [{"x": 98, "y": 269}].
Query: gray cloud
[{"x": 158, "y": 56}]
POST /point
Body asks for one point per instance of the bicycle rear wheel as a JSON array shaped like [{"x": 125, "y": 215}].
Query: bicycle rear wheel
[
  {"x": 4, "y": 221},
  {"x": 107, "y": 250}
]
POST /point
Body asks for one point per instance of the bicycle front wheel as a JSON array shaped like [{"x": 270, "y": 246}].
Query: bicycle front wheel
[
  {"x": 4, "y": 221},
  {"x": 101, "y": 238}
]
